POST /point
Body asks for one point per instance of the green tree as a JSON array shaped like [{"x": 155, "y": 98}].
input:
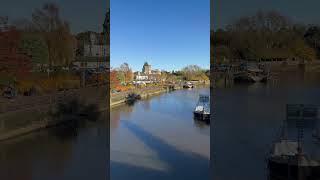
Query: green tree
[
  {"x": 35, "y": 47},
  {"x": 56, "y": 33},
  {"x": 121, "y": 76},
  {"x": 303, "y": 51},
  {"x": 193, "y": 72},
  {"x": 312, "y": 37}
]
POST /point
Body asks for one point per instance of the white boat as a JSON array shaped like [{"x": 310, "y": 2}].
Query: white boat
[
  {"x": 202, "y": 110},
  {"x": 188, "y": 85}
]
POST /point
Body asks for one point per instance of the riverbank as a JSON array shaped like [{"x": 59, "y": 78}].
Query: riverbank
[
  {"x": 227, "y": 80},
  {"x": 35, "y": 113},
  {"x": 117, "y": 99}
]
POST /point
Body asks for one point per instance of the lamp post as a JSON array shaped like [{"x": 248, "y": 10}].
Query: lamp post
[{"x": 97, "y": 71}]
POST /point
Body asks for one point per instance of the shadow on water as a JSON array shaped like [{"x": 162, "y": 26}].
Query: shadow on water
[
  {"x": 201, "y": 124},
  {"x": 74, "y": 115},
  {"x": 182, "y": 165}
]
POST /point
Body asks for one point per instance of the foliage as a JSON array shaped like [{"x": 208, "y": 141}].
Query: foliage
[
  {"x": 263, "y": 35},
  {"x": 124, "y": 73},
  {"x": 12, "y": 62},
  {"x": 56, "y": 33},
  {"x": 193, "y": 72},
  {"x": 114, "y": 81},
  {"x": 35, "y": 46},
  {"x": 312, "y": 37},
  {"x": 46, "y": 84}
]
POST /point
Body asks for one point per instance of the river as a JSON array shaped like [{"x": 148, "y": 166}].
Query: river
[
  {"x": 69, "y": 151},
  {"x": 154, "y": 138},
  {"x": 247, "y": 118},
  {"x": 157, "y": 138}
]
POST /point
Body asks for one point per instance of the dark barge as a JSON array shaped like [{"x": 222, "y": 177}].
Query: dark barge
[{"x": 287, "y": 160}]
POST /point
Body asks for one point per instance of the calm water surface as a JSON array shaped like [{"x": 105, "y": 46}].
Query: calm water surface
[
  {"x": 66, "y": 152},
  {"x": 155, "y": 138},
  {"x": 158, "y": 139},
  {"x": 247, "y": 119}
]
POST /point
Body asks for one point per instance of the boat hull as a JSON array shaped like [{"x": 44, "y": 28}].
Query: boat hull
[
  {"x": 288, "y": 169},
  {"x": 201, "y": 116},
  {"x": 250, "y": 78}
]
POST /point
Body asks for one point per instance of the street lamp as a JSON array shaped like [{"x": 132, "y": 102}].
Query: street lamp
[{"x": 97, "y": 71}]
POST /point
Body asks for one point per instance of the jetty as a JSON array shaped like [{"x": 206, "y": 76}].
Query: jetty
[
  {"x": 288, "y": 158},
  {"x": 241, "y": 72}
]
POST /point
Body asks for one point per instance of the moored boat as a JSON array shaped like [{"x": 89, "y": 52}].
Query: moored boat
[
  {"x": 287, "y": 160},
  {"x": 202, "y": 110},
  {"x": 188, "y": 85},
  {"x": 252, "y": 73}
]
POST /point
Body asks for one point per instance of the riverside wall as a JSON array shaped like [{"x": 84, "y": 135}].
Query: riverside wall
[
  {"x": 23, "y": 115},
  {"x": 120, "y": 98}
]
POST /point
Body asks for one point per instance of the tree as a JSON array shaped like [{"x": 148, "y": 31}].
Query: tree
[
  {"x": 124, "y": 67},
  {"x": 35, "y": 46},
  {"x": 12, "y": 62},
  {"x": 303, "y": 51},
  {"x": 56, "y": 33},
  {"x": 263, "y": 35},
  {"x": 192, "y": 72},
  {"x": 121, "y": 76},
  {"x": 114, "y": 81},
  {"x": 126, "y": 71},
  {"x": 312, "y": 37}
]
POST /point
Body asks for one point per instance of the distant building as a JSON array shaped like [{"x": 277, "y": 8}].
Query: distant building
[
  {"x": 90, "y": 63},
  {"x": 94, "y": 49},
  {"x": 140, "y": 76},
  {"x": 4, "y": 23},
  {"x": 147, "y": 75},
  {"x": 146, "y": 69}
]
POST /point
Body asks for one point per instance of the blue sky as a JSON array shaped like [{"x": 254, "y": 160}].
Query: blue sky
[
  {"x": 82, "y": 15},
  {"x": 225, "y": 11},
  {"x": 168, "y": 34}
]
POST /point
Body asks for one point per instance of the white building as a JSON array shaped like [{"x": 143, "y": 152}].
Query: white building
[
  {"x": 95, "y": 54},
  {"x": 96, "y": 47},
  {"x": 90, "y": 64},
  {"x": 4, "y": 23},
  {"x": 140, "y": 76},
  {"x": 96, "y": 50}
]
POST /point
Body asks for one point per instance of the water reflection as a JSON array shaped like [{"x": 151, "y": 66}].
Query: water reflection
[
  {"x": 159, "y": 139},
  {"x": 201, "y": 124},
  {"x": 247, "y": 120},
  {"x": 74, "y": 150}
]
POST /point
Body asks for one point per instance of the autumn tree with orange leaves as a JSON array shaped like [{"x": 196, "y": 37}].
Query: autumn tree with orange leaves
[
  {"x": 13, "y": 62},
  {"x": 114, "y": 81}
]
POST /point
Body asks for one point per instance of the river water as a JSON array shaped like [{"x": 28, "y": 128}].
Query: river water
[
  {"x": 247, "y": 118},
  {"x": 157, "y": 138},
  {"x": 67, "y": 152},
  {"x": 154, "y": 138}
]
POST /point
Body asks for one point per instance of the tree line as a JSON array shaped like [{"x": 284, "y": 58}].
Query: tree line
[
  {"x": 123, "y": 76},
  {"x": 46, "y": 38},
  {"x": 265, "y": 36}
]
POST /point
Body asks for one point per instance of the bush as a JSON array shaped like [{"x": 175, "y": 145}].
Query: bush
[{"x": 45, "y": 84}]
